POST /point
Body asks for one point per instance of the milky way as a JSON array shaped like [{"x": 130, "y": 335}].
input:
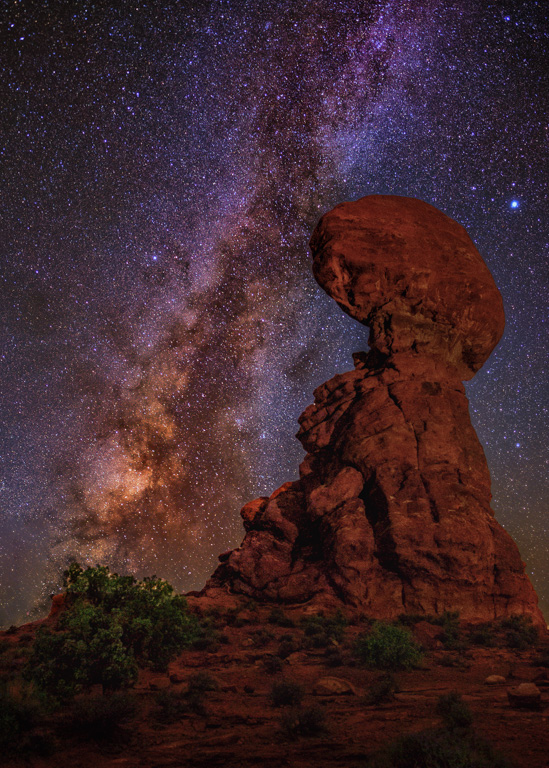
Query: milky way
[{"x": 163, "y": 168}]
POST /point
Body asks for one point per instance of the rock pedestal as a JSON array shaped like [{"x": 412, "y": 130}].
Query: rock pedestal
[{"x": 391, "y": 513}]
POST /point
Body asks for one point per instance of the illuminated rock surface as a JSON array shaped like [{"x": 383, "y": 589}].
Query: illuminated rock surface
[{"x": 392, "y": 513}]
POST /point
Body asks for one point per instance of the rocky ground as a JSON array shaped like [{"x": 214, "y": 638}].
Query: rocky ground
[{"x": 215, "y": 705}]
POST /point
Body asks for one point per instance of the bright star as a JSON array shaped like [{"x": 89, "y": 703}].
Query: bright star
[{"x": 515, "y": 204}]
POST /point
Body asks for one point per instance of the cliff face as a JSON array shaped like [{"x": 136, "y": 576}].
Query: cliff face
[{"x": 391, "y": 513}]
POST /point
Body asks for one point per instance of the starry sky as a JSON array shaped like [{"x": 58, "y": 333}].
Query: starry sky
[{"x": 163, "y": 165}]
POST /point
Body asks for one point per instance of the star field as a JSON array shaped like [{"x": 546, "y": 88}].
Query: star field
[{"x": 163, "y": 166}]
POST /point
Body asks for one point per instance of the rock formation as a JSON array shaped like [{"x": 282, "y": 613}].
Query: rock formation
[{"x": 391, "y": 513}]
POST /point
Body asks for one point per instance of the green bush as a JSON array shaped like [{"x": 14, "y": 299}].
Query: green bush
[
  {"x": 279, "y": 618},
  {"x": 383, "y": 689},
  {"x": 111, "y": 625},
  {"x": 201, "y": 682},
  {"x": 100, "y": 717},
  {"x": 89, "y": 650},
  {"x": 454, "y": 711},
  {"x": 17, "y": 716},
  {"x": 321, "y": 630},
  {"x": 333, "y": 656},
  {"x": 411, "y": 619},
  {"x": 451, "y": 637},
  {"x": 20, "y": 717},
  {"x": 261, "y": 638},
  {"x": 286, "y": 693},
  {"x": 171, "y": 706},
  {"x": 207, "y": 637},
  {"x": 388, "y": 646},
  {"x": 303, "y": 721},
  {"x": 272, "y": 664},
  {"x": 543, "y": 659},
  {"x": 288, "y": 645},
  {"x": 232, "y": 615},
  {"x": 439, "y": 749},
  {"x": 520, "y": 632},
  {"x": 482, "y": 635}
]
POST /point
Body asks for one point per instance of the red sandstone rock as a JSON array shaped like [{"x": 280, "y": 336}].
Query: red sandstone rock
[
  {"x": 525, "y": 696},
  {"x": 392, "y": 510},
  {"x": 58, "y": 603},
  {"x": 334, "y": 686},
  {"x": 251, "y": 511},
  {"x": 413, "y": 275}
]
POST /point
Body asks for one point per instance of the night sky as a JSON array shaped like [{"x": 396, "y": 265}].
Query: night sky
[{"x": 163, "y": 166}]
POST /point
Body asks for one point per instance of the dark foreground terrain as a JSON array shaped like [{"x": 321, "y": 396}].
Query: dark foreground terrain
[{"x": 252, "y": 691}]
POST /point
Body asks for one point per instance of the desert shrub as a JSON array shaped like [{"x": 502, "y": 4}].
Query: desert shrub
[
  {"x": 439, "y": 749},
  {"x": 100, "y": 717},
  {"x": 454, "y": 711},
  {"x": 286, "y": 693},
  {"x": 333, "y": 656},
  {"x": 279, "y": 618},
  {"x": 303, "y": 721},
  {"x": 543, "y": 659},
  {"x": 447, "y": 618},
  {"x": 520, "y": 633},
  {"x": 243, "y": 614},
  {"x": 197, "y": 686},
  {"x": 21, "y": 725},
  {"x": 455, "y": 660},
  {"x": 207, "y": 638},
  {"x": 388, "y": 646},
  {"x": 202, "y": 682},
  {"x": 451, "y": 635},
  {"x": 411, "y": 619},
  {"x": 214, "y": 614},
  {"x": 320, "y": 630},
  {"x": 250, "y": 611},
  {"x": 272, "y": 665},
  {"x": 261, "y": 638},
  {"x": 88, "y": 651},
  {"x": 232, "y": 615},
  {"x": 18, "y": 715},
  {"x": 173, "y": 705},
  {"x": 482, "y": 635},
  {"x": 111, "y": 624},
  {"x": 381, "y": 690},
  {"x": 194, "y": 701},
  {"x": 288, "y": 645}
]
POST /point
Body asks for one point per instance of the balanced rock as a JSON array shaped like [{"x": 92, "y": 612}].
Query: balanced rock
[
  {"x": 391, "y": 513},
  {"x": 412, "y": 275}
]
